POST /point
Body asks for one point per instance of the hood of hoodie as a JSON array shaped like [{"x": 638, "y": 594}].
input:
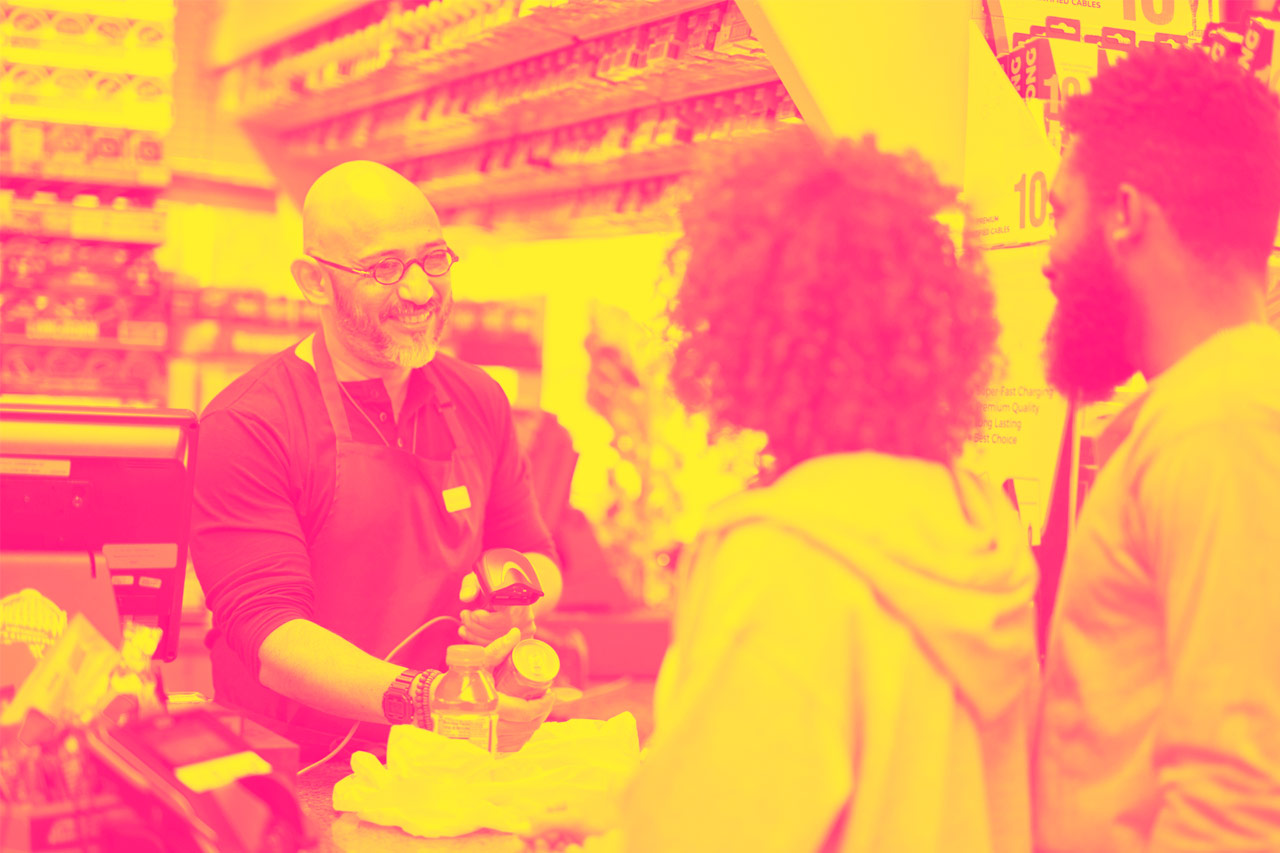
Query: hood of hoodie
[{"x": 946, "y": 555}]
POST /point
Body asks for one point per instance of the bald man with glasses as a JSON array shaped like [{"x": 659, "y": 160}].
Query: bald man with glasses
[{"x": 348, "y": 485}]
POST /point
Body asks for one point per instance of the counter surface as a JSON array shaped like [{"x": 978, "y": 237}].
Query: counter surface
[{"x": 346, "y": 833}]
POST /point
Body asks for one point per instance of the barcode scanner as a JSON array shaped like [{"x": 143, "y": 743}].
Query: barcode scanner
[{"x": 507, "y": 579}]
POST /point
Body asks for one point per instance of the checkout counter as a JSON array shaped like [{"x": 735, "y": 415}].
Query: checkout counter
[{"x": 77, "y": 480}]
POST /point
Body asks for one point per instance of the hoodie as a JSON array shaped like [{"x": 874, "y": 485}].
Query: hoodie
[{"x": 852, "y": 668}]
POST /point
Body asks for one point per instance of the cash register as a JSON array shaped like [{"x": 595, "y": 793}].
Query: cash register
[{"x": 94, "y": 516}]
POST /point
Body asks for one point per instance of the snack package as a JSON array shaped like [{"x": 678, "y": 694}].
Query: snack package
[{"x": 72, "y": 679}]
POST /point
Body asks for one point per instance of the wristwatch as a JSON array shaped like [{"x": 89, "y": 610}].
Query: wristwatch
[{"x": 397, "y": 702}]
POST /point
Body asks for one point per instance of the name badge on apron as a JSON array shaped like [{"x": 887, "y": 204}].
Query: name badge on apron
[{"x": 456, "y": 499}]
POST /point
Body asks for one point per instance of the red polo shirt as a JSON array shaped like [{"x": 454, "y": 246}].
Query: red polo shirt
[{"x": 266, "y": 471}]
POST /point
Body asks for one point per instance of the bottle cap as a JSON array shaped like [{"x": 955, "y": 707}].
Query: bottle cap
[{"x": 464, "y": 656}]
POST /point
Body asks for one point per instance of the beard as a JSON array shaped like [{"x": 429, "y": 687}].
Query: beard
[
  {"x": 1092, "y": 340},
  {"x": 372, "y": 339}
]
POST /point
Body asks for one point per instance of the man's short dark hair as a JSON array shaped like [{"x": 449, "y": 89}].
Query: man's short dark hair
[{"x": 1200, "y": 137}]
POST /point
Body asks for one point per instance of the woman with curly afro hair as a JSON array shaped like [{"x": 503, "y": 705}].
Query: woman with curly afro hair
[{"x": 853, "y": 657}]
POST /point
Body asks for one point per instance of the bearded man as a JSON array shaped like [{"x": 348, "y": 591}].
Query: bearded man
[
  {"x": 348, "y": 485},
  {"x": 1160, "y": 724}
]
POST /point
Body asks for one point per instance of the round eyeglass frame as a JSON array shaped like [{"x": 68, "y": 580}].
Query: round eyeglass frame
[{"x": 404, "y": 266}]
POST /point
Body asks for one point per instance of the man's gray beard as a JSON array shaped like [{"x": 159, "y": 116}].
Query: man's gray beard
[
  {"x": 414, "y": 355},
  {"x": 368, "y": 340}
]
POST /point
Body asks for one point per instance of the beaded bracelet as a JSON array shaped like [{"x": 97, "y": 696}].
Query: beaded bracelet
[{"x": 422, "y": 697}]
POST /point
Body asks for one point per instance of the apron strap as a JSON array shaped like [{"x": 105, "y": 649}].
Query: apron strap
[
  {"x": 444, "y": 405},
  {"x": 329, "y": 390}
]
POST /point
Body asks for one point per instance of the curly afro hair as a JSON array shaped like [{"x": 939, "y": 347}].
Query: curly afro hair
[
  {"x": 1200, "y": 137},
  {"x": 824, "y": 304}
]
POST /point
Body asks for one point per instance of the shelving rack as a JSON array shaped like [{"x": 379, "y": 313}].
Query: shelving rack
[
  {"x": 86, "y": 104},
  {"x": 573, "y": 116}
]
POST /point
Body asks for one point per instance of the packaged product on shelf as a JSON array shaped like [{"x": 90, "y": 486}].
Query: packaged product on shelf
[
  {"x": 280, "y": 311},
  {"x": 17, "y": 308},
  {"x": 247, "y": 306},
  {"x": 1259, "y": 53},
  {"x": 140, "y": 368},
  {"x": 107, "y": 86},
  {"x": 111, "y": 32},
  {"x": 146, "y": 147},
  {"x": 1224, "y": 41},
  {"x": 61, "y": 323},
  {"x": 612, "y": 61},
  {"x": 63, "y": 362},
  {"x": 22, "y": 27},
  {"x": 662, "y": 132},
  {"x": 66, "y": 146},
  {"x": 20, "y": 363},
  {"x": 148, "y": 89},
  {"x": 1076, "y": 63},
  {"x": 61, "y": 253},
  {"x": 24, "y": 143},
  {"x": 151, "y": 34},
  {"x": 71, "y": 24},
  {"x": 70, "y": 84},
  {"x": 90, "y": 220},
  {"x": 211, "y": 302},
  {"x": 734, "y": 36},
  {"x": 702, "y": 27},
  {"x": 108, "y": 148},
  {"x": 645, "y": 124},
  {"x": 1030, "y": 68},
  {"x": 137, "y": 225},
  {"x": 23, "y": 262},
  {"x": 22, "y": 83},
  {"x": 1144, "y": 18},
  {"x": 184, "y": 303},
  {"x": 664, "y": 44},
  {"x": 613, "y": 141},
  {"x": 141, "y": 277},
  {"x": 25, "y": 84},
  {"x": 142, "y": 333},
  {"x": 104, "y": 367}
]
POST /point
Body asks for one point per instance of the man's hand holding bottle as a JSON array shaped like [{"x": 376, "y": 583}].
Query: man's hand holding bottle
[{"x": 518, "y": 718}]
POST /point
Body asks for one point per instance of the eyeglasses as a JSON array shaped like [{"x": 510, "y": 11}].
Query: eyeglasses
[{"x": 389, "y": 271}]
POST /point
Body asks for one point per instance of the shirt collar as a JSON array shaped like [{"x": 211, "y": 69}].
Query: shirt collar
[{"x": 372, "y": 392}]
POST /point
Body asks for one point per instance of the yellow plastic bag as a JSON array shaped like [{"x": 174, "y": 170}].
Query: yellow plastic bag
[{"x": 567, "y": 777}]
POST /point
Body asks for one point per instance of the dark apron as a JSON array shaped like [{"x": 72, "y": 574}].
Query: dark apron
[{"x": 390, "y": 555}]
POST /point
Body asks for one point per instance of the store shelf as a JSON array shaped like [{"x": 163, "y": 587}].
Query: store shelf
[
  {"x": 670, "y": 161},
  {"x": 150, "y": 62},
  {"x": 543, "y": 30},
  {"x": 702, "y": 74},
  {"x": 80, "y": 386},
  {"x": 99, "y": 344},
  {"x": 218, "y": 172},
  {"x": 83, "y": 371},
  {"x": 140, "y": 227},
  {"x": 69, "y": 180},
  {"x": 140, "y": 10},
  {"x": 158, "y": 120}
]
